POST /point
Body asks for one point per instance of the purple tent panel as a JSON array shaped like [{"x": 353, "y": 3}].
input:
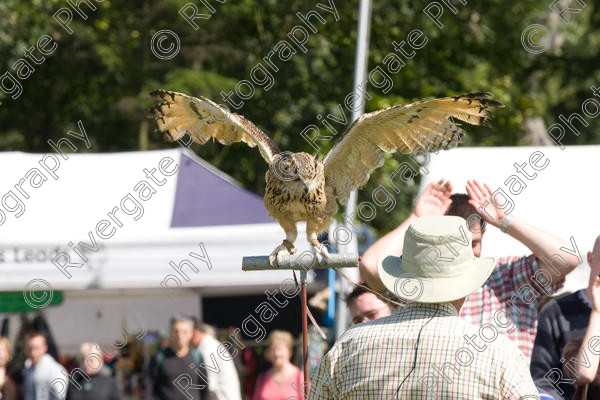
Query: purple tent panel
[{"x": 206, "y": 196}]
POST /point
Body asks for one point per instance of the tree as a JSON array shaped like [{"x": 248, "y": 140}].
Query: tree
[{"x": 101, "y": 73}]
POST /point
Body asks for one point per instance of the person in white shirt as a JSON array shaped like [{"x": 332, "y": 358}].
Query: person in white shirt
[
  {"x": 43, "y": 379},
  {"x": 223, "y": 380}
]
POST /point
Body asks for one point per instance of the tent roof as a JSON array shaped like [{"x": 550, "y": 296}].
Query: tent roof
[
  {"x": 92, "y": 184},
  {"x": 206, "y": 196},
  {"x": 561, "y": 199}
]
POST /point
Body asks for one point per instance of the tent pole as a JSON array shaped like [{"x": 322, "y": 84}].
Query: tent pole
[{"x": 342, "y": 319}]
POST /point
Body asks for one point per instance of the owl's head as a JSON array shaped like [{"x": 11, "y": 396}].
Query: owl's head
[{"x": 288, "y": 166}]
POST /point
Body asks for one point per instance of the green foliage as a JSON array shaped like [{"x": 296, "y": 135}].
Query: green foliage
[{"x": 102, "y": 72}]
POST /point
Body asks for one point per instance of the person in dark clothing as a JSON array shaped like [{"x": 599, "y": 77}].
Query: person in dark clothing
[
  {"x": 96, "y": 383},
  {"x": 178, "y": 372},
  {"x": 575, "y": 317}
]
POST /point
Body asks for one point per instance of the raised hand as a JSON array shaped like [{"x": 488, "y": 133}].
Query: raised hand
[
  {"x": 435, "y": 199},
  {"x": 595, "y": 290},
  {"x": 480, "y": 194}
]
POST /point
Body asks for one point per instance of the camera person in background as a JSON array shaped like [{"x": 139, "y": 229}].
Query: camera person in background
[{"x": 100, "y": 385}]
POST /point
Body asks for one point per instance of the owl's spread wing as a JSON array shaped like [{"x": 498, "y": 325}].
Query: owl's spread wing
[
  {"x": 203, "y": 119},
  {"x": 402, "y": 128}
]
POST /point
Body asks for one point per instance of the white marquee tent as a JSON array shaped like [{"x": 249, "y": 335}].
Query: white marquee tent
[{"x": 197, "y": 208}]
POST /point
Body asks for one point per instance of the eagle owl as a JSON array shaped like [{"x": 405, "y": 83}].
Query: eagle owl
[{"x": 302, "y": 187}]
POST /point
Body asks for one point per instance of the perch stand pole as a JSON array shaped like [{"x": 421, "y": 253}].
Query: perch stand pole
[{"x": 303, "y": 262}]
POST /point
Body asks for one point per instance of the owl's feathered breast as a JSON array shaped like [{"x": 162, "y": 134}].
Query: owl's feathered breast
[{"x": 298, "y": 199}]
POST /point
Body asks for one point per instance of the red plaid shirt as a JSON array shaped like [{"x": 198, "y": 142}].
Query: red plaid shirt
[{"x": 511, "y": 287}]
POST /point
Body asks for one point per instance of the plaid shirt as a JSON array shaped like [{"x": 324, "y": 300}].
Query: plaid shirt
[
  {"x": 511, "y": 286},
  {"x": 371, "y": 360}
]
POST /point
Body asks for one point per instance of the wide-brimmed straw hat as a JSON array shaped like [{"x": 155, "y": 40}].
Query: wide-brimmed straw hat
[{"x": 437, "y": 263}]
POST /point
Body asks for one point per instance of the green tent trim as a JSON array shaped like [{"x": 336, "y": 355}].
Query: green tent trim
[{"x": 15, "y": 301}]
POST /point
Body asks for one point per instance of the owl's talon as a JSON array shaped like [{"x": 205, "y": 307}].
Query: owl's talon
[
  {"x": 278, "y": 258},
  {"x": 280, "y": 251},
  {"x": 289, "y": 246},
  {"x": 273, "y": 260},
  {"x": 320, "y": 251}
]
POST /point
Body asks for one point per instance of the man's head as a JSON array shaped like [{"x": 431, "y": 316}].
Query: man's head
[
  {"x": 200, "y": 331},
  {"x": 593, "y": 258},
  {"x": 182, "y": 331},
  {"x": 365, "y": 306},
  {"x": 35, "y": 346},
  {"x": 460, "y": 207},
  {"x": 431, "y": 272}
]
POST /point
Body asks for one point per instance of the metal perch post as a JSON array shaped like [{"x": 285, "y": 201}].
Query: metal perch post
[{"x": 302, "y": 262}]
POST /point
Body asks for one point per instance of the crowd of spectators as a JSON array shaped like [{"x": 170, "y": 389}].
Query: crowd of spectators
[{"x": 185, "y": 366}]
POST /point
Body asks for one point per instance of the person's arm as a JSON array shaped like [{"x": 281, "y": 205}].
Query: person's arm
[
  {"x": 434, "y": 200},
  {"x": 588, "y": 374},
  {"x": 542, "y": 244}
]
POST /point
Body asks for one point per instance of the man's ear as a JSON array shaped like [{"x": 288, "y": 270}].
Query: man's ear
[{"x": 589, "y": 258}]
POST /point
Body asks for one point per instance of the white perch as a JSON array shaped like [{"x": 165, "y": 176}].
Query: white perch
[{"x": 308, "y": 261}]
